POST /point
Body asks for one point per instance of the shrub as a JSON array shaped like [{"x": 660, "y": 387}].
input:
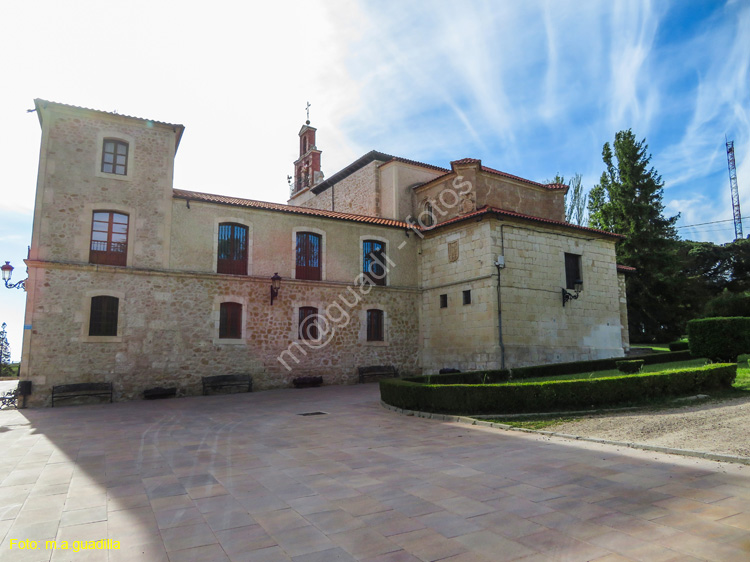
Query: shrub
[
  {"x": 679, "y": 346},
  {"x": 630, "y": 367},
  {"x": 719, "y": 339},
  {"x": 728, "y": 305},
  {"x": 550, "y": 396}
]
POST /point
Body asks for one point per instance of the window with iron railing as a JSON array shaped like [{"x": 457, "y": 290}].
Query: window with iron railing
[
  {"x": 308, "y": 258},
  {"x": 232, "y": 249},
  {"x": 373, "y": 261},
  {"x": 109, "y": 238}
]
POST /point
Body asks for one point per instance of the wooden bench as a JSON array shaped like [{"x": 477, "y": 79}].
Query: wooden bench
[
  {"x": 227, "y": 381},
  {"x": 81, "y": 389},
  {"x": 377, "y": 371}
]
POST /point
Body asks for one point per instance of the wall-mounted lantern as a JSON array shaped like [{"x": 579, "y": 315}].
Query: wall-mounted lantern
[
  {"x": 275, "y": 285},
  {"x": 577, "y": 287},
  {"x": 7, "y": 274}
]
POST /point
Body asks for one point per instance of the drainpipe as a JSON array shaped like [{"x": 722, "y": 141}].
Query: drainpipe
[{"x": 500, "y": 264}]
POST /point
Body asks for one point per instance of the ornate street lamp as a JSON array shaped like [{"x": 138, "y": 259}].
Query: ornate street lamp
[
  {"x": 577, "y": 287},
  {"x": 275, "y": 285},
  {"x": 7, "y": 274}
]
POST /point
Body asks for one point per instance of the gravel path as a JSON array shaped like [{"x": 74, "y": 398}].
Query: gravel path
[{"x": 716, "y": 427}]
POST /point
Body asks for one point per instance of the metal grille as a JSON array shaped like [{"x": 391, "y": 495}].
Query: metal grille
[
  {"x": 308, "y": 256},
  {"x": 103, "y": 318},
  {"x": 232, "y": 250},
  {"x": 373, "y": 261}
]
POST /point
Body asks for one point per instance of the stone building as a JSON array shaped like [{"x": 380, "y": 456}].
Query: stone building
[{"x": 387, "y": 262}]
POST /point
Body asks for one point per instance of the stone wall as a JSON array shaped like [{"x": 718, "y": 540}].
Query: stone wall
[
  {"x": 623, "y": 311},
  {"x": 357, "y": 194},
  {"x": 464, "y": 336},
  {"x": 194, "y": 238},
  {"x": 536, "y": 328},
  {"x": 469, "y": 188},
  {"x": 397, "y": 180},
  {"x": 71, "y": 186},
  {"x": 168, "y": 330}
]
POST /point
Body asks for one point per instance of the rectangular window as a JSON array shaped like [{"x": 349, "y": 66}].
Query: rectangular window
[
  {"x": 308, "y": 256},
  {"x": 375, "y": 330},
  {"x": 232, "y": 249},
  {"x": 109, "y": 238},
  {"x": 572, "y": 270},
  {"x": 467, "y": 297},
  {"x": 308, "y": 323},
  {"x": 373, "y": 261},
  {"x": 443, "y": 301},
  {"x": 230, "y": 321},
  {"x": 115, "y": 157},
  {"x": 103, "y": 316}
]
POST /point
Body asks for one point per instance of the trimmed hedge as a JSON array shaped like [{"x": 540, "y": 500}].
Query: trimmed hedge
[
  {"x": 550, "y": 396},
  {"x": 630, "y": 367},
  {"x": 720, "y": 338},
  {"x": 679, "y": 346}
]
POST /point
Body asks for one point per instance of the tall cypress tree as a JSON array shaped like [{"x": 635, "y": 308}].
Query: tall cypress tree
[
  {"x": 628, "y": 200},
  {"x": 5, "y": 369}
]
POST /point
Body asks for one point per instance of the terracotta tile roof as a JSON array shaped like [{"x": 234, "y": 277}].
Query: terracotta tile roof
[
  {"x": 511, "y": 176},
  {"x": 550, "y": 186},
  {"x": 625, "y": 269},
  {"x": 363, "y": 161},
  {"x": 178, "y": 129},
  {"x": 415, "y": 163},
  {"x": 46, "y": 103},
  {"x": 503, "y": 213},
  {"x": 263, "y": 205}
]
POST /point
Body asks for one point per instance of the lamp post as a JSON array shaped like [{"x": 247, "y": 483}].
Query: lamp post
[
  {"x": 577, "y": 287},
  {"x": 275, "y": 285},
  {"x": 7, "y": 270}
]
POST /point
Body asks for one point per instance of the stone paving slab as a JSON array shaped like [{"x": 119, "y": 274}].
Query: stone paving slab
[{"x": 244, "y": 477}]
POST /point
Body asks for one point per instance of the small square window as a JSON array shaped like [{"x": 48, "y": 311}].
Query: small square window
[
  {"x": 443, "y": 301},
  {"x": 467, "y": 297},
  {"x": 115, "y": 157}
]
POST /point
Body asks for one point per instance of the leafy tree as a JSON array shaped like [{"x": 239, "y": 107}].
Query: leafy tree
[
  {"x": 5, "y": 368},
  {"x": 628, "y": 200},
  {"x": 714, "y": 272},
  {"x": 575, "y": 199},
  {"x": 576, "y": 202}
]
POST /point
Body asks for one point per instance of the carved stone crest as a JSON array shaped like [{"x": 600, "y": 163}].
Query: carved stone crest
[
  {"x": 453, "y": 251},
  {"x": 468, "y": 204}
]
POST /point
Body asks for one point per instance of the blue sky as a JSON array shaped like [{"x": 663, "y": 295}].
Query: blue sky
[{"x": 532, "y": 88}]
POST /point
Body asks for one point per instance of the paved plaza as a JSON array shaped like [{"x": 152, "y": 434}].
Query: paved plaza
[{"x": 245, "y": 477}]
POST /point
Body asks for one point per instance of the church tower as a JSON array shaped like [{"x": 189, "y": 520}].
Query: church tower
[{"x": 307, "y": 167}]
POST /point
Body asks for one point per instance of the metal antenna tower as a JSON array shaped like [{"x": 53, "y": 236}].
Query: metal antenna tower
[{"x": 735, "y": 191}]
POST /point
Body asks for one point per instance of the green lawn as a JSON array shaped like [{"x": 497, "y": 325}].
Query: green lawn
[
  {"x": 740, "y": 388},
  {"x": 615, "y": 373},
  {"x": 14, "y": 373}
]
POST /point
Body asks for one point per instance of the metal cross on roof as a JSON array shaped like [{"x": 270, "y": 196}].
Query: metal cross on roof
[{"x": 308, "y": 110}]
